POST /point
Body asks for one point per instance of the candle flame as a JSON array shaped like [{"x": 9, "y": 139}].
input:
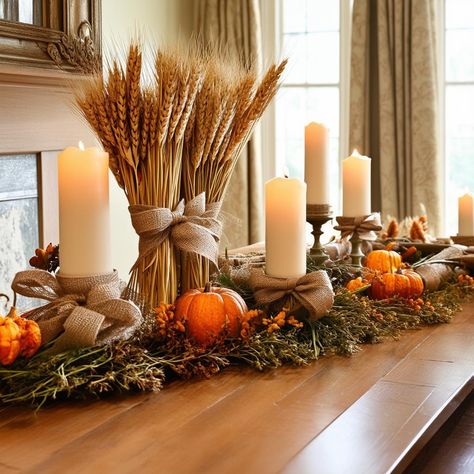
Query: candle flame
[
  {"x": 81, "y": 145},
  {"x": 286, "y": 172},
  {"x": 355, "y": 152}
]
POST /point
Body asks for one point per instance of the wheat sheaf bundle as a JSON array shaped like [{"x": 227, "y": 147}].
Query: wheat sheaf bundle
[{"x": 174, "y": 129}]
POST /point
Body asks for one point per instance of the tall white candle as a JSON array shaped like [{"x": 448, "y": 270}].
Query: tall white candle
[
  {"x": 316, "y": 163},
  {"x": 466, "y": 214},
  {"x": 285, "y": 221},
  {"x": 84, "y": 222},
  {"x": 356, "y": 185}
]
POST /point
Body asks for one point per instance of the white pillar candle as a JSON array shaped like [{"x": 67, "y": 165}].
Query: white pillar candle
[
  {"x": 466, "y": 214},
  {"x": 356, "y": 185},
  {"x": 84, "y": 222},
  {"x": 285, "y": 221},
  {"x": 316, "y": 163}
]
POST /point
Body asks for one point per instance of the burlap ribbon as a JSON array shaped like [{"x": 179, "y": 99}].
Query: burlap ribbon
[
  {"x": 364, "y": 226},
  {"x": 192, "y": 227},
  {"x": 86, "y": 310},
  {"x": 435, "y": 274},
  {"x": 313, "y": 290}
]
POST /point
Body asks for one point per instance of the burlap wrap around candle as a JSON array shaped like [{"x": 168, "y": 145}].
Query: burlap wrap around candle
[
  {"x": 82, "y": 311},
  {"x": 364, "y": 226},
  {"x": 435, "y": 274},
  {"x": 191, "y": 227},
  {"x": 313, "y": 290}
]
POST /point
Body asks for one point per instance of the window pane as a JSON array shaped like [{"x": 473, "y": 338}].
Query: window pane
[
  {"x": 459, "y": 149},
  {"x": 294, "y": 48},
  {"x": 19, "y": 235},
  {"x": 313, "y": 58},
  {"x": 459, "y": 14},
  {"x": 294, "y": 16},
  {"x": 459, "y": 116},
  {"x": 322, "y": 58},
  {"x": 295, "y": 108},
  {"x": 323, "y": 15},
  {"x": 460, "y": 55}
]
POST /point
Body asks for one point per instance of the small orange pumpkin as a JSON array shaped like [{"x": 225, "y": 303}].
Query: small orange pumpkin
[
  {"x": 210, "y": 312},
  {"x": 356, "y": 284},
  {"x": 30, "y": 340},
  {"x": 385, "y": 261},
  {"x": 10, "y": 340},
  {"x": 404, "y": 283}
]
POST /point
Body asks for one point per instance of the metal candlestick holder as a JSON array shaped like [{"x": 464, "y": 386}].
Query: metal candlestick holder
[
  {"x": 317, "y": 215},
  {"x": 356, "y": 250}
]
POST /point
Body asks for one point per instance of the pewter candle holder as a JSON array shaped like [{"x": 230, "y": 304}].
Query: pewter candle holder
[
  {"x": 356, "y": 250},
  {"x": 317, "y": 215}
]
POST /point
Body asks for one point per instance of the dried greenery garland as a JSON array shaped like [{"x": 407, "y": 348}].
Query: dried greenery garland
[{"x": 161, "y": 351}]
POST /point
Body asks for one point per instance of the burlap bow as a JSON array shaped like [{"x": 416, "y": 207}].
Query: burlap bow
[
  {"x": 314, "y": 290},
  {"x": 86, "y": 310},
  {"x": 192, "y": 227},
  {"x": 364, "y": 226}
]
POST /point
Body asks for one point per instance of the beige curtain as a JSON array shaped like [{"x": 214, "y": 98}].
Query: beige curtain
[
  {"x": 393, "y": 105},
  {"x": 236, "y": 25}
]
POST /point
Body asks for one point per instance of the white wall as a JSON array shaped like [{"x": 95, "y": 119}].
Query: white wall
[{"x": 160, "y": 20}]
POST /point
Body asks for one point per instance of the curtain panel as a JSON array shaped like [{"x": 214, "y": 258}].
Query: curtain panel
[
  {"x": 394, "y": 104},
  {"x": 236, "y": 26}
]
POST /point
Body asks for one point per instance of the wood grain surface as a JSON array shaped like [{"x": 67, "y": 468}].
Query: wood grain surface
[{"x": 370, "y": 413}]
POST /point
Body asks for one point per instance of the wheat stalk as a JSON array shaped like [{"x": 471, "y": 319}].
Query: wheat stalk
[{"x": 173, "y": 139}]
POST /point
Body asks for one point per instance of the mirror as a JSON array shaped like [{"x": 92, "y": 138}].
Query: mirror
[
  {"x": 51, "y": 33},
  {"x": 21, "y": 11}
]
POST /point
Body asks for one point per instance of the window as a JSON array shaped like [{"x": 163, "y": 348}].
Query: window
[
  {"x": 315, "y": 35},
  {"x": 19, "y": 215},
  {"x": 458, "y": 101}
]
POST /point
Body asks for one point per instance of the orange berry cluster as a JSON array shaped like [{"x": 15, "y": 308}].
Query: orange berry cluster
[
  {"x": 249, "y": 321},
  {"x": 166, "y": 320},
  {"x": 418, "y": 304},
  {"x": 465, "y": 280},
  {"x": 280, "y": 320}
]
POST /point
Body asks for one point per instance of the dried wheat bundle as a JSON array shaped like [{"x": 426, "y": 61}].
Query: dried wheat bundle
[{"x": 172, "y": 138}]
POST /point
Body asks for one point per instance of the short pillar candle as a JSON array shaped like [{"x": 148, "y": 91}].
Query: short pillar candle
[{"x": 285, "y": 222}]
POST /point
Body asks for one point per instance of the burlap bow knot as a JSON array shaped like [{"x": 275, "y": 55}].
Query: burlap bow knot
[
  {"x": 192, "y": 227},
  {"x": 364, "y": 226},
  {"x": 86, "y": 310},
  {"x": 313, "y": 290}
]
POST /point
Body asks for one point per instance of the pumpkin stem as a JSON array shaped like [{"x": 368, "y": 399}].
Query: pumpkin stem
[{"x": 207, "y": 287}]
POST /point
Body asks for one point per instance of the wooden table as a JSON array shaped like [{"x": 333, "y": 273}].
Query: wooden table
[{"x": 370, "y": 413}]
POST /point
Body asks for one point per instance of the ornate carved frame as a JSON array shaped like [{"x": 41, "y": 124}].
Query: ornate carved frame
[{"x": 71, "y": 40}]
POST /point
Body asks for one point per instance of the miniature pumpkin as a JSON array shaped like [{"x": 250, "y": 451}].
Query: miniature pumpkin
[
  {"x": 356, "y": 284},
  {"x": 404, "y": 283},
  {"x": 210, "y": 312},
  {"x": 10, "y": 340},
  {"x": 385, "y": 261},
  {"x": 30, "y": 340}
]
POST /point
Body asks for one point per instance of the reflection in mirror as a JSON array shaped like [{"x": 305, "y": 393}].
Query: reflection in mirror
[
  {"x": 19, "y": 218},
  {"x": 22, "y": 11}
]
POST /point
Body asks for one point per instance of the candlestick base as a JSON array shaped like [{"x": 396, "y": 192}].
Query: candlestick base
[
  {"x": 317, "y": 215},
  {"x": 467, "y": 240},
  {"x": 356, "y": 250}
]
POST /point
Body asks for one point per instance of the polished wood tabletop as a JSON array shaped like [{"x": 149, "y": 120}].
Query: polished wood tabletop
[{"x": 370, "y": 413}]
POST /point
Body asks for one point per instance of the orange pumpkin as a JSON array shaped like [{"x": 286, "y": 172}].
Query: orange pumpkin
[
  {"x": 356, "y": 284},
  {"x": 10, "y": 340},
  {"x": 30, "y": 340},
  {"x": 385, "y": 261},
  {"x": 404, "y": 283},
  {"x": 210, "y": 312}
]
